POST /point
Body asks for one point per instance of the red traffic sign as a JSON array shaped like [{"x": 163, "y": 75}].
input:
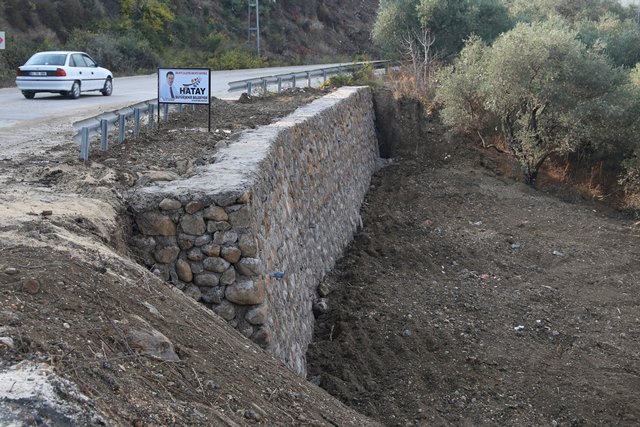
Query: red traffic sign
[{"x": 1, "y": 39}]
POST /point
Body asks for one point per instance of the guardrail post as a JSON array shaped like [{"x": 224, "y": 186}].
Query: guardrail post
[
  {"x": 324, "y": 75},
  {"x": 84, "y": 145},
  {"x": 104, "y": 133},
  {"x": 249, "y": 88},
  {"x": 279, "y": 84},
  {"x": 179, "y": 108},
  {"x": 151, "y": 114},
  {"x": 264, "y": 87},
  {"x": 293, "y": 81},
  {"x": 121, "y": 125},
  {"x": 165, "y": 111},
  {"x": 136, "y": 122},
  {"x": 308, "y": 78}
]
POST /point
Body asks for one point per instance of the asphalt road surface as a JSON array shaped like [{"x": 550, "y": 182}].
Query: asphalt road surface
[{"x": 30, "y": 125}]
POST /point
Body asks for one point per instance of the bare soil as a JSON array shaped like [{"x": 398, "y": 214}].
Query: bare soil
[
  {"x": 75, "y": 304},
  {"x": 466, "y": 299},
  {"x": 469, "y": 298}
]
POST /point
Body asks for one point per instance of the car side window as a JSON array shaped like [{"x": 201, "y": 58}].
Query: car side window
[
  {"x": 90, "y": 62},
  {"x": 76, "y": 61}
]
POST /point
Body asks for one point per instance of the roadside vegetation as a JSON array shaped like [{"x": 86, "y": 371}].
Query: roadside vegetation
[
  {"x": 137, "y": 36},
  {"x": 128, "y": 36},
  {"x": 553, "y": 83}
]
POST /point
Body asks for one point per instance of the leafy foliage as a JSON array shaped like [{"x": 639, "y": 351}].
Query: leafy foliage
[
  {"x": 570, "y": 10},
  {"x": 617, "y": 38},
  {"x": 450, "y": 22},
  {"x": 360, "y": 76},
  {"x": 453, "y": 21},
  {"x": 395, "y": 19},
  {"x": 236, "y": 59},
  {"x": 548, "y": 91},
  {"x": 149, "y": 17},
  {"x": 139, "y": 35}
]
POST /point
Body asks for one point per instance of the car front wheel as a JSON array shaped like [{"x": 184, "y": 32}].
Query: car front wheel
[
  {"x": 108, "y": 87},
  {"x": 74, "y": 93},
  {"x": 28, "y": 94}
]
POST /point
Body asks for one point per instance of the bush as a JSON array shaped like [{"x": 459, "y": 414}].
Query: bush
[
  {"x": 19, "y": 49},
  {"x": 550, "y": 94},
  {"x": 236, "y": 59},
  {"x": 120, "y": 53},
  {"x": 360, "y": 76}
]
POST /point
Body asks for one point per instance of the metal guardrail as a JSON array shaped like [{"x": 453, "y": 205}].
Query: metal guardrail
[
  {"x": 101, "y": 124},
  {"x": 279, "y": 80},
  {"x": 135, "y": 114}
]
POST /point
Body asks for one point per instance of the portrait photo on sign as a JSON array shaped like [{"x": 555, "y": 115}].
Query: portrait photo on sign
[{"x": 183, "y": 86}]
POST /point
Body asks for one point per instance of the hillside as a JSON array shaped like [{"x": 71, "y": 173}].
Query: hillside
[{"x": 135, "y": 36}]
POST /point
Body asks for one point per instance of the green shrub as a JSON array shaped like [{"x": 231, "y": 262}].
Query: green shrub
[
  {"x": 236, "y": 59},
  {"x": 360, "y": 76},
  {"x": 124, "y": 53}
]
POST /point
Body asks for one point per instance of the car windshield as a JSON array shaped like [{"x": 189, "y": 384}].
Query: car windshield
[{"x": 47, "y": 59}]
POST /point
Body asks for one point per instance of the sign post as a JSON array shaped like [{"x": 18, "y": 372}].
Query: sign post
[
  {"x": 2, "y": 40},
  {"x": 184, "y": 86}
]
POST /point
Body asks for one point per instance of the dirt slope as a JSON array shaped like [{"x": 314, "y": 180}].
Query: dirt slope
[
  {"x": 74, "y": 304},
  {"x": 472, "y": 299}
]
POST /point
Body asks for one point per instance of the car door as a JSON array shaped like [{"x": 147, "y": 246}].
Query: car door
[
  {"x": 97, "y": 74},
  {"x": 84, "y": 73},
  {"x": 75, "y": 69}
]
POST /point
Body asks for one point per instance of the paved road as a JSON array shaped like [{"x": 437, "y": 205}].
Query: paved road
[{"x": 29, "y": 125}]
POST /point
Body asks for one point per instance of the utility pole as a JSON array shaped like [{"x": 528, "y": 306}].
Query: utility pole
[{"x": 254, "y": 22}]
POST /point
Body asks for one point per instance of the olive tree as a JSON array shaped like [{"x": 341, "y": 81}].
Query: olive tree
[
  {"x": 570, "y": 10},
  {"x": 448, "y": 22},
  {"x": 395, "y": 19},
  {"x": 618, "y": 38},
  {"x": 549, "y": 93},
  {"x": 453, "y": 21}
]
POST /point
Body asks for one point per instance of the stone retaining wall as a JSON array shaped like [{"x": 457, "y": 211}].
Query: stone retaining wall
[{"x": 252, "y": 234}]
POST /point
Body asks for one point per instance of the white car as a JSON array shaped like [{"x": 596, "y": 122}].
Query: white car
[{"x": 65, "y": 72}]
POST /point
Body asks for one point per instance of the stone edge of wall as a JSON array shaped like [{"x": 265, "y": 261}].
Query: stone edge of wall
[{"x": 252, "y": 234}]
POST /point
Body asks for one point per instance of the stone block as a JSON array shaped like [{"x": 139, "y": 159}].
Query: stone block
[
  {"x": 206, "y": 280},
  {"x": 193, "y": 224},
  {"x": 193, "y": 292},
  {"x": 169, "y": 204},
  {"x": 195, "y": 254},
  {"x": 167, "y": 254},
  {"x": 193, "y": 207},
  {"x": 262, "y": 336},
  {"x": 155, "y": 224},
  {"x": 202, "y": 240},
  {"x": 228, "y": 277},
  {"x": 226, "y": 310},
  {"x": 249, "y": 266},
  {"x": 213, "y": 295},
  {"x": 211, "y": 250},
  {"x": 215, "y": 213},
  {"x": 240, "y": 218},
  {"x": 248, "y": 245},
  {"x": 246, "y": 292},
  {"x": 257, "y": 315},
  {"x": 183, "y": 269},
  {"x": 231, "y": 254},
  {"x": 216, "y": 264}
]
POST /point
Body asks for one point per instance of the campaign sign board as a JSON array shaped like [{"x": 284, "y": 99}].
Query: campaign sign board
[{"x": 184, "y": 86}]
